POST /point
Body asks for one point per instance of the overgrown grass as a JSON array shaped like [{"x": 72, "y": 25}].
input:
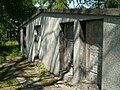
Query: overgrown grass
[
  {"x": 8, "y": 49},
  {"x": 13, "y": 83},
  {"x": 11, "y": 49},
  {"x": 42, "y": 69}
]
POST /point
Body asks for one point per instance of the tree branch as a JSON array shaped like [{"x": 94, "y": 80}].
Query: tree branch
[{"x": 65, "y": 4}]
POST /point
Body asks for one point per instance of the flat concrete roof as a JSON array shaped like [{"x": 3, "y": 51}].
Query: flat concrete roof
[
  {"x": 107, "y": 11},
  {"x": 83, "y": 11}
]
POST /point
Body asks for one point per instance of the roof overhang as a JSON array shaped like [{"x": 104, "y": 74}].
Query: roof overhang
[{"x": 106, "y": 12}]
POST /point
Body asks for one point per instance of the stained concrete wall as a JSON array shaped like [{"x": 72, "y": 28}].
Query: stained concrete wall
[
  {"x": 48, "y": 41},
  {"x": 111, "y": 51},
  {"x": 49, "y": 51}
]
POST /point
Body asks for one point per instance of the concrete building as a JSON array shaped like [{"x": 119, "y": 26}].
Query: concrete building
[{"x": 85, "y": 43}]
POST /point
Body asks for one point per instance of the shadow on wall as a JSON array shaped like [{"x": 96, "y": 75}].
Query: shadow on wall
[
  {"x": 50, "y": 45},
  {"x": 111, "y": 64},
  {"x": 49, "y": 48},
  {"x": 93, "y": 39},
  {"x": 112, "y": 39}
]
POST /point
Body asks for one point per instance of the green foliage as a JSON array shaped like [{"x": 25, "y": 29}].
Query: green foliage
[
  {"x": 2, "y": 32},
  {"x": 1, "y": 59},
  {"x": 18, "y": 10},
  {"x": 8, "y": 83},
  {"x": 13, "y": 13},
  {"x": 42, "y": 68},
  {"x": 15, "y": 52},
  {"x": 52, "y": 4},
  {"x": 9, "y": 50},
  {"x": 113, "y": 3},
  {"x": 60, "y": 4}
]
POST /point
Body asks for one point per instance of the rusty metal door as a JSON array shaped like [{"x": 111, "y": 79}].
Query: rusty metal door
[{"x": 66, "y": 44}]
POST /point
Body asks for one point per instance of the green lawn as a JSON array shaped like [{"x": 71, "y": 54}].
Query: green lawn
[
  {"x": 9, "y": 49},
  {"x": 13, "y": 68}
]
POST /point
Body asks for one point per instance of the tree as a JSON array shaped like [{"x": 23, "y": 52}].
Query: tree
[
  {"x": 61, "y": 4},
  {"x": 95, "y": 3},
  {"x": 13, "y": 13},
  {"x": 88, "y": 3},
  {"x": 18, "y": 10},
  {"x": 51, "y": 4},
  {"x": 113, "y": 3}
]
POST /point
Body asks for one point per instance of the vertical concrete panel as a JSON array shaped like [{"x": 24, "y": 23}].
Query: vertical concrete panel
[
  {"x": 51, "y": 54},
  {"x": 78, "y": 52},
  {"x": 21, "y": 40},
  {"x": 111, "y": 57},
  {"x": 30, "y": 41},
  {"x": 94, "y": 44},
  {"x": 27, "y": 39}
]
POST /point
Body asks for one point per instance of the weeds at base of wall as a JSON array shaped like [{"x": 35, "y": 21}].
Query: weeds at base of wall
[{"x": 42, "y": 69}]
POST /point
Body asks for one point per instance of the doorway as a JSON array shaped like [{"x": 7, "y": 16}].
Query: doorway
[
  {"x": 66, "y": 44},
  {"x": 37, "y": 35},
  {"x": 93, "y": 38}
]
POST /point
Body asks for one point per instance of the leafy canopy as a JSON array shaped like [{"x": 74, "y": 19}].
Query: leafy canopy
[
  {"x": 14, "y": 12},
  {"x": 54, "y": 4},
  {"x": 18, "y": 10}
]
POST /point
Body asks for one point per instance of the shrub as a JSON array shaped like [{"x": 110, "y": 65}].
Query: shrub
[
  {"x": 42, "y": 68},
  {"x": 9, "y": 50},
  {"x": 1, "y": 59}
]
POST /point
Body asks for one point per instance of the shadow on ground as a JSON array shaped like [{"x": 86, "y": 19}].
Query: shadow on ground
[{"x": 10, "y": 71}]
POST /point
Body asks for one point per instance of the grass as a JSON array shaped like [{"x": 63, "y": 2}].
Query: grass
[
  {"x": 11, "y": 49},
  {"x": 8, "y": 50},
  {"x": 42, "y": 69},
  {"x": 11, "y": 83},
  {"x": 8, "y": 74}
]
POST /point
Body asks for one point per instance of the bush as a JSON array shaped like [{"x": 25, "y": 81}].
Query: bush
[
  {"x": 42, "y": 68},
  {"x": 9, "y": 50},
  {"x": 1, "y": 59},
  {"x": 16, "y": 52}
]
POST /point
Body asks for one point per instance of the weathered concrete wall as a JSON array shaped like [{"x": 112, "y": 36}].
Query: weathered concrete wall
[
  {"x": 111, "y": 51},
  {"x": 49, "y": 45},
  {"x": 49, "y": 52},
  {"x": 48, "y": 41}
]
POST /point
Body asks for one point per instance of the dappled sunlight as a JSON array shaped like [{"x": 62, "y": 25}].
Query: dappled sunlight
[{"x": 19, "y": 75}]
